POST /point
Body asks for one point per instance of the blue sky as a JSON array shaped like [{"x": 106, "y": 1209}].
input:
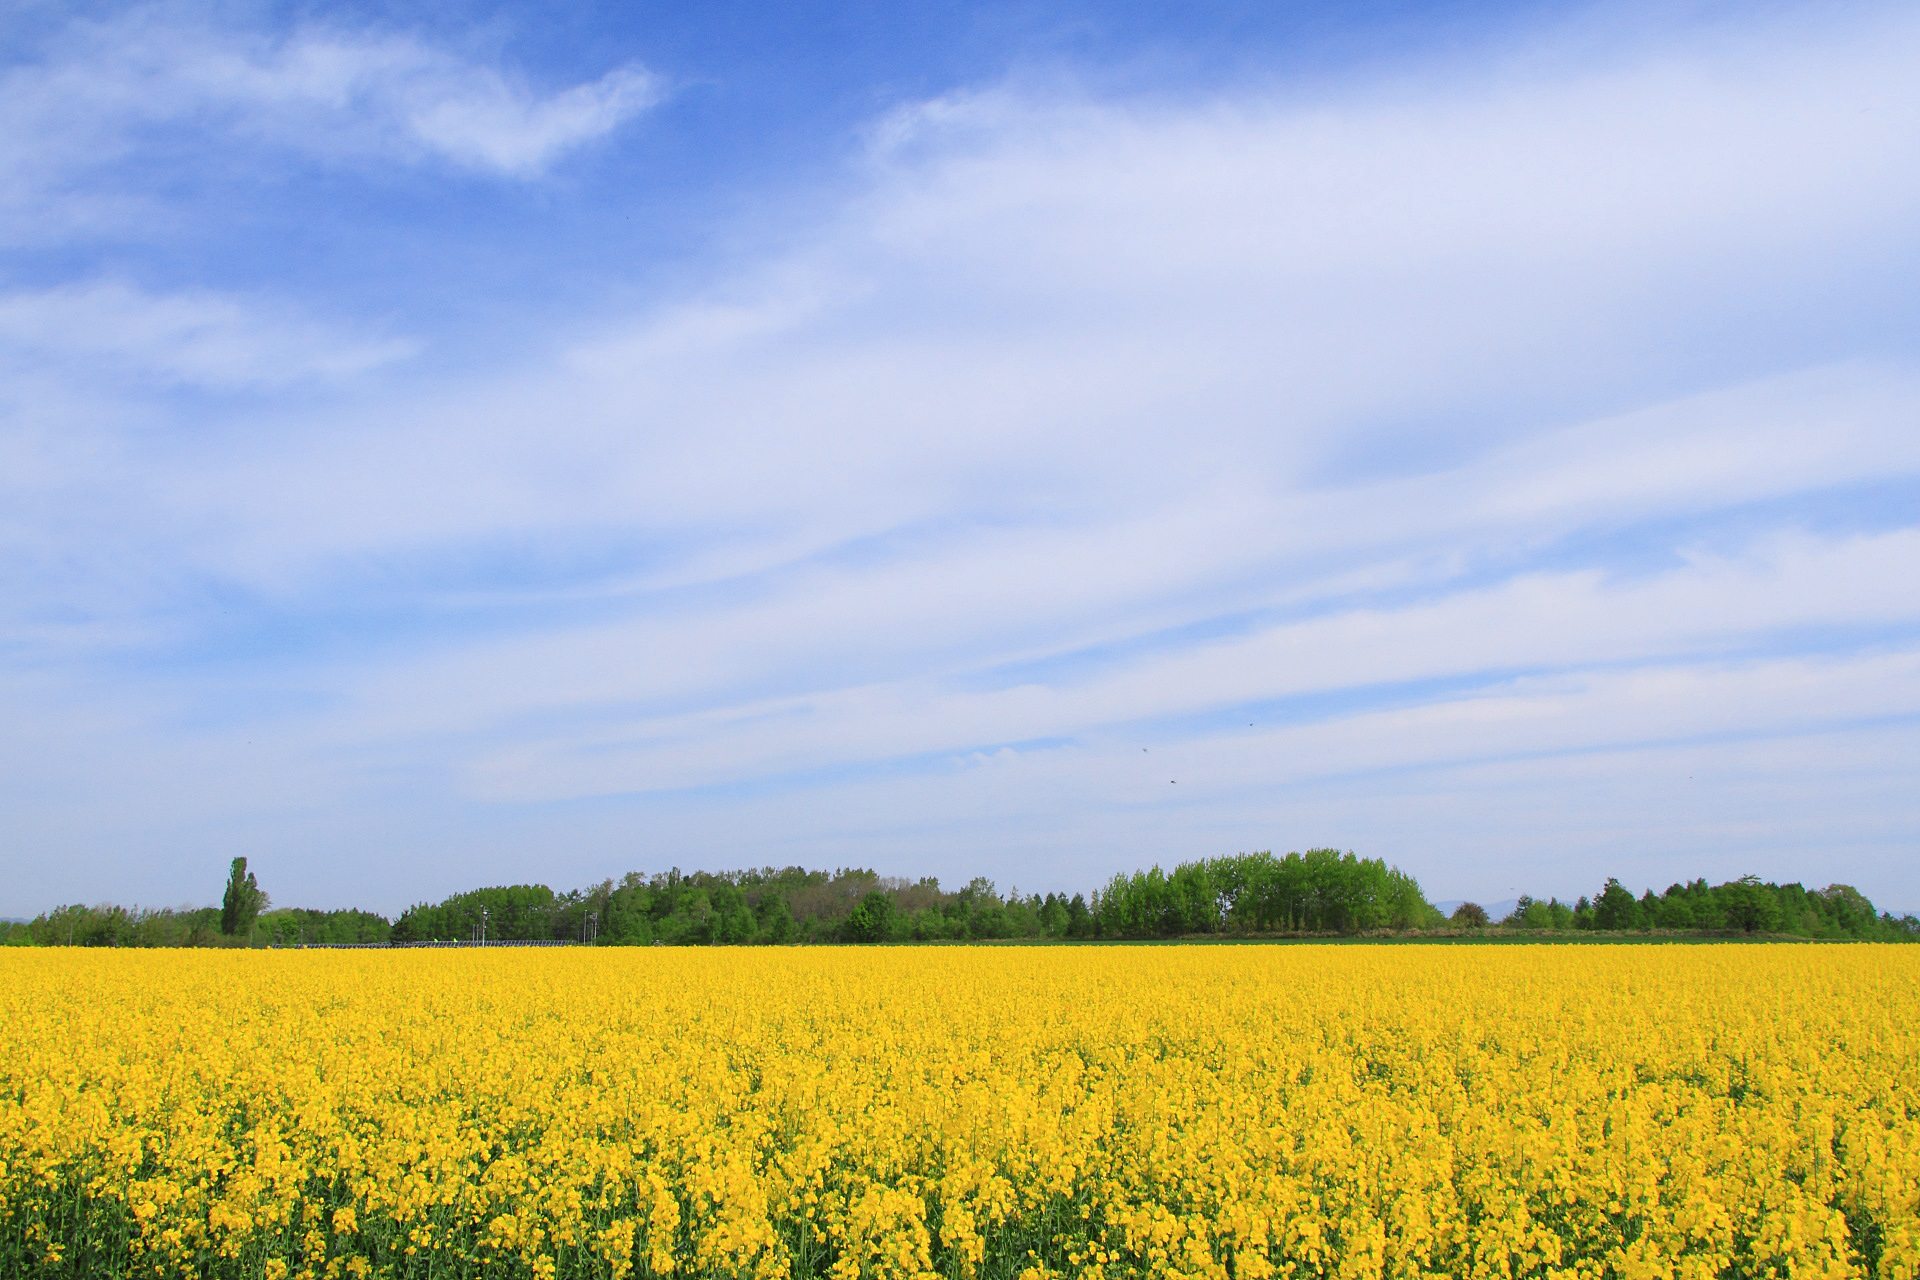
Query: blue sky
[{"x": 1028, "y": 439}]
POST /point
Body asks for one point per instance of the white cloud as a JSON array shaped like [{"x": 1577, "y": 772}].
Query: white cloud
[
  {"x": 199, "y": 338},
  {"x": 1095, "y": 309},
  {"x": 338, "y": 91},
  {"x": 487, "y": 125},
  {"x": 1555, "y": 391},
  {"x": 102, "y": 95},
  {"x": 1571, "y": 622}
]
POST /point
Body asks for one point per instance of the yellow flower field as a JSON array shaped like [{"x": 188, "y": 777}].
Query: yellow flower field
[{"x": 1245, "y": 1112}]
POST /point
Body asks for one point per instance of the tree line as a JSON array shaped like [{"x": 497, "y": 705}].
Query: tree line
[
  {"x": 766, "y": 905},
  {"x": 1320, "y": 892},
  {"x": 1748, "y": 905},
  {"x": 244, "y": 918}
]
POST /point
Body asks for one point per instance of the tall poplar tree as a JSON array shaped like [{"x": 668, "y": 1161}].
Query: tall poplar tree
[{"x": 243, "y": 900}]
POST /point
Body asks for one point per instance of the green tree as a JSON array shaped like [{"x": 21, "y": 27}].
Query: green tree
[
  {"x": 1320, "y": 890},
  {"x": 872, "y": 920},
  {"x": 1615, "y": 908},
  {"x": 1531, "y": 913},
  {"x": 1469, "y": 915},
  {"x": 1843, "y": 910},
  {"x": 518, "y": 912},
  {"x": 1686, "y": 906},
  {"x": 1079, "y": 919},
  {"x": 732, "y": 920},
  {"x": 292, "y": 927},
  {"x": 776, "y": 919},
  {"x": 1053, "y": 916},
  {"x": 1525, "y": 915},
  {"x": 243, "y": 901},
  {"x": 1748, "y": 906}
]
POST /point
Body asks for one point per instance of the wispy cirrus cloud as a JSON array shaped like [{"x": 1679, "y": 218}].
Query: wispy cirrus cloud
[
  {"x": 1550, "y": 415},
  {"x": 344, "y": 93},
  {"x": 93, "y": 109},
  {"x": 199, "y": 338}
]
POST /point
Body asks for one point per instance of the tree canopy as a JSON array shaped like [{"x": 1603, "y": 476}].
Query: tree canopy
[
  {"x": 1316, "y": 893},
  {"x": 243, "y": 901}
]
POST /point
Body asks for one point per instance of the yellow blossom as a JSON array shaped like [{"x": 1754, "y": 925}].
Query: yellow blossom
[{"x": 1138, "y": 1113}]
